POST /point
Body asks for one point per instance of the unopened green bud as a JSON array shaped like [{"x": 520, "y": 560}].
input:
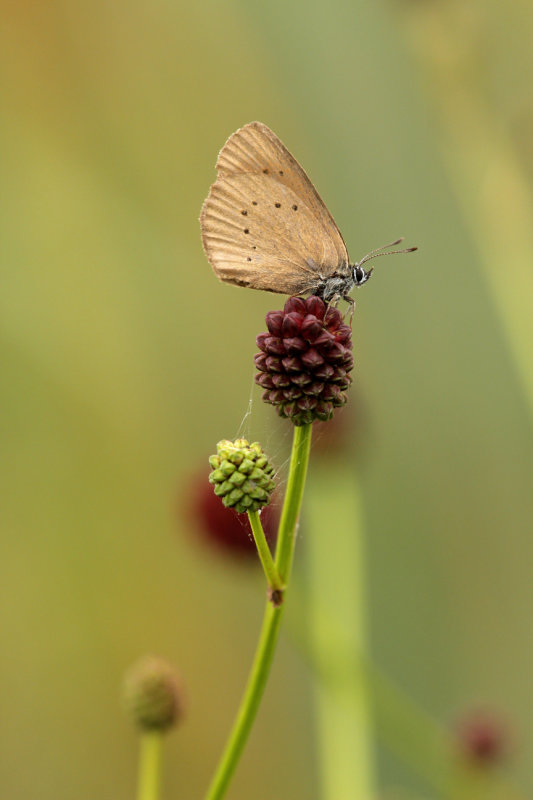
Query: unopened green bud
[
  {"x": 153, "y": 694},
  {"x": 242, "y": 475}
]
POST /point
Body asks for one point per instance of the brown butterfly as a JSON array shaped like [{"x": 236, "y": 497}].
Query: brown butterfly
[{"x": 265, "y": 226}]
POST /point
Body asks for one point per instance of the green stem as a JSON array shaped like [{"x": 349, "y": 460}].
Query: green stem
[
  {"x": 272, "y": 618},
  {"x": 336, "y": 589},
  {"x": 272, "y": 575},
  {"x": 150, "y": 766},
  {"x": 293, "y": 500}
]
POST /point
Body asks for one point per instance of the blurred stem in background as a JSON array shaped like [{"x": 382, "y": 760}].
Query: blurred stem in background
[
  {"x": 484, "y": 170},
  {"x": 336, "y": 590},
  {"x": 272, "y": 618},
  {"x": 413, "y": 736},
  {"x": 480, "y": 783},
  {"x": 355, "y": 699},
  {"x": 149, "y": 782}
]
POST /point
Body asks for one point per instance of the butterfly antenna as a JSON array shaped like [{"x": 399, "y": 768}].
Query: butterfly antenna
[
  {"x": 385, "y": 246},
  {"x": 375, "y": 253}
]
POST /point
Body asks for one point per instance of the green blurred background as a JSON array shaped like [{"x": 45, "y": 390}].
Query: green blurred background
[{"x": 124, "y": 361}]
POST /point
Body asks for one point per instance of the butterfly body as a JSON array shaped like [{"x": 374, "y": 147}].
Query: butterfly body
[
  {"x": 265, "y": 226},
  {"x": 341, "y": 284}
]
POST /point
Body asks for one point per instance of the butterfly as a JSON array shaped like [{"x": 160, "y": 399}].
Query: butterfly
[{"x": 265, "y": 226}]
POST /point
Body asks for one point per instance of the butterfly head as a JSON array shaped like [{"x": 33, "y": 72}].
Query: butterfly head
[{"x": 361, "y": 275}]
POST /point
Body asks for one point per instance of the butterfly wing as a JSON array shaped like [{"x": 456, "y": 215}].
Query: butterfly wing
[
  {"x": 257, "y": 232},
  {"x": 263, "y": 222}
]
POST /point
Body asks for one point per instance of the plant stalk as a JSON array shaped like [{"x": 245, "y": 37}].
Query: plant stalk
[
  {"x": 272, "y": 618},
  {"x": 272, "y": 575},
  {"x": 335, "y": 568},
  {"x": 149, "y": 781}
]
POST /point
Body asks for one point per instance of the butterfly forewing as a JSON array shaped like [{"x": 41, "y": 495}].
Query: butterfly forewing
[{"x": 263, "y": 223}]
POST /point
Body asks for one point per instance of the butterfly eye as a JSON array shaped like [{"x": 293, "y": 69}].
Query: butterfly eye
[{"x": 359, "y": 275}]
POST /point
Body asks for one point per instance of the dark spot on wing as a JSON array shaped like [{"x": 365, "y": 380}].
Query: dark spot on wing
[
  {"x": 244, "y": 213},
  {"x": 265, "y": 171},
  {"x": 278, "y": 205},
  {"x": 247, "y": 230},
  {"x": 281, "y": 172},
  {"x": 254, "y": 202},
  {"x": 248, "y": 259},
  {"x": 295, "y": 208}
]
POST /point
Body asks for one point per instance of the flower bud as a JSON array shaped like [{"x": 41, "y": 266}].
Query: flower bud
[
  {"x": 153, "y": 694},
  {"x": 305, "y": 360},
  {"x": 242, "y": 475}
]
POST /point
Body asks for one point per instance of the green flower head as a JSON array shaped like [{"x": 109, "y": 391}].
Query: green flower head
[{"x": 242, "y": 475}]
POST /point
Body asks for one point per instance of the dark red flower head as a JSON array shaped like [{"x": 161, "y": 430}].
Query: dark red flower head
[{"x": 305, "y": 360}]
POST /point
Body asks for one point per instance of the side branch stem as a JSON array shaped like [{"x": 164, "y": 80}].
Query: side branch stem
[
  {"x": 272, "y": 575},
  {"x": 272, "y": 618}
]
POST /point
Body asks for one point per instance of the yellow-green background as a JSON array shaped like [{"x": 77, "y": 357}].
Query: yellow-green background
[{"x": 124, "y": 361}]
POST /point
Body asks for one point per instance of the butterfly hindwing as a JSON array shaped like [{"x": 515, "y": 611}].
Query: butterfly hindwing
[{"x": 256, "y": 232}]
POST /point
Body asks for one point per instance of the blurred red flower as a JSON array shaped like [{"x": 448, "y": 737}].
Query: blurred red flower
[
  {"x": 483, "y": 738},
  {"x": 222, "y": 528}
]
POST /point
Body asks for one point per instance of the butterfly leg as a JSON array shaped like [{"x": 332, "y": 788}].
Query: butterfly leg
[
  {"x": 332, "y": 303},
  {"x": 351, "y": 303}
]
